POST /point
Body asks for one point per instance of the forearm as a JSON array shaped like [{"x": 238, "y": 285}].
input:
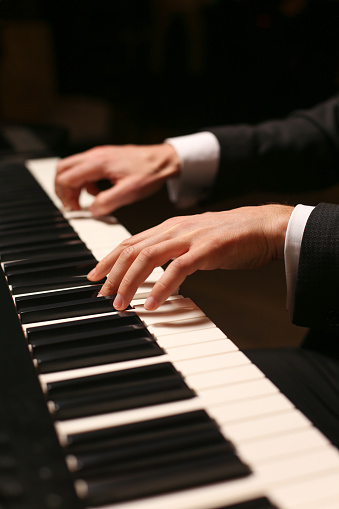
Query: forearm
[{"x": 300, "y": 152}]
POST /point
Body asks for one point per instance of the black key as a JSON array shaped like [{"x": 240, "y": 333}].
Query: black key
[
  {"x": 257, "y": 503},
  {"x": 52, "y": 283},
  {"x": 133, "y": 446},
  {"x": 38, "y": 263},
  {"x": 48, "y": 360},
  {"x": 120, "y": 390},
  {"x": 70, "y": 309},
  {"x": 37, "y": 239},
  {"x": 115, "y": 338},
  {"x": 30, "y": 203},
  {"x": 80, "y": 330},
  {"x": 29, "y": 215},
  {"x": 200, "y": 470},
  {"x": 52, "y": 248},
  {"x": 154, "y": 454},
  {"x": 12, "y": 225},
  {"x": 53, "y": 273},
  {"x": 33, "y": 301},
  {"x": 130, "y": 434},
  {"x": 25, "y": 234}
]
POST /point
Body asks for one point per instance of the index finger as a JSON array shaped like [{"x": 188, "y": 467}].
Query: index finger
[{"x": 68, "y": 162}]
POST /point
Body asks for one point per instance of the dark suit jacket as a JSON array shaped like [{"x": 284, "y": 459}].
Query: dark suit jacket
[
  {"x": 317, "y": 285},
  {"x": 298, "y": 153}
]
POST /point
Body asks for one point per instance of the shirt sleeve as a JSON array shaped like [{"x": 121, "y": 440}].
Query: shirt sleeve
[
  {"x": 199, "y": 161},
  {"x": 294, "y": 235}
]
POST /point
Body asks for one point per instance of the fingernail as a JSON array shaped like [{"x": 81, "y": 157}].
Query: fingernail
[
  {"x": 92, "y": 273},
  {"x": 118, "y": 302},
  {"x": 150, "y": 303}
]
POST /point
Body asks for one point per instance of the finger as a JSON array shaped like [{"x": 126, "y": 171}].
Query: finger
[
  {"x": 68, "y": 184},
  {"x": 67, "y": 162},
  {"x": 80, "y": 174},
  {"x": 143, "y": 239},
  {"x": 125, "y": 191},
  {"x": 174, "y": 275},
  {"x": 68, "y": 196},
  {"x": 125, "y": 278}
]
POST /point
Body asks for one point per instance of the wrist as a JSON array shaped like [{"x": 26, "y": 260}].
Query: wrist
[
  {"x": 278, "y": 219},
  {"x": 165, "y": 160}
]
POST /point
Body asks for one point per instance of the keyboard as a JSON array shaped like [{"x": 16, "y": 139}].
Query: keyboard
[{"x": 145, "y": 409}]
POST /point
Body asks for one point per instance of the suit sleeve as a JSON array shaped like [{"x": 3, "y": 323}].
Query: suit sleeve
[
  {"x": 316, "y": 302},
  {"x": 300, "y": 152}
]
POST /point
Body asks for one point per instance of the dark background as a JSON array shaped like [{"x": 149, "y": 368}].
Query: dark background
[{"x": 136, "y": 71}]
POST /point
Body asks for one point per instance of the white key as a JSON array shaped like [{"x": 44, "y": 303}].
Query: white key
[
  {"x": 315, "y": 488},
  {"x": 293, "y": 463}
]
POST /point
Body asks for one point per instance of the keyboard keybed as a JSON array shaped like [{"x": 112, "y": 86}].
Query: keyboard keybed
[{"x": 182, "y": 380}]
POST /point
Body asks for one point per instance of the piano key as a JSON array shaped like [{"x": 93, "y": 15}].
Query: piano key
[
  {"x": 331, "y": 503},
  {"x": 265, "y": 448},
  {"x": 300, "y": 466},
  {"x": 147, "y": 445},
  {"x": 28, "y": 234},
  {"x": 41, "y": 203},
  {"x": 241, "y": 391},
  {"x": 52, "y": 359},
  {"x": 49, "y": 271},
  {"x": 256, "y": 387},
  {"x": 290, "y": 419},
  {"x": 14, "y": 224},
  {"x": 109, "y": 392},
  {"x": 67, "y": 309},
  {"x": 46, "y": 261},
  {"x": 55, "y": 297},
  {"x": 73, "y": 329},
  {"x": 315, "y": 489},
  {"x": 178, "y": 309},
  {"x": 52, "y": 283},
  {"x": 37, "y": 239},
  {"x": 139, "y": 431},
  {"x": 48, "y": 248},
  {"x": 182, "y": 475},
  {"x": 258, "y": 503}
]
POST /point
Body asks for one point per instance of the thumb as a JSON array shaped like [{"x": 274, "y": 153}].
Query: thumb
[{"x": 121, "y": 193}]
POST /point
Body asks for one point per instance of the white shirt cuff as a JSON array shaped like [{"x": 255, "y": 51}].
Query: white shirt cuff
[
  {"x": 199, "y": 157},
  {"x": 294, "y": 235}
]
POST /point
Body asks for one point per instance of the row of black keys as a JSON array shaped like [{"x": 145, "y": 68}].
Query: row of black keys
[{"x": 40, "y": 252}]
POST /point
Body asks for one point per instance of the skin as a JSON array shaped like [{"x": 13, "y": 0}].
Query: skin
[
  {"x": 134, "y": 171},
  {"x": 242, "y": 238}
]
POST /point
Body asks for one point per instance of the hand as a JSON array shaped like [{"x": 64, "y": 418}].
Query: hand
[
  {"x": 242, "y": 238},
  {"x": 134, "y": 172}
]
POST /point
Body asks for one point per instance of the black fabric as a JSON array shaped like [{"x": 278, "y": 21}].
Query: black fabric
[
  {"x": 317, "y": 286},
  {"x": 322, "y": 342},
  {"x": 300, "y": 152},
  {"x": 309, "y": 379}
]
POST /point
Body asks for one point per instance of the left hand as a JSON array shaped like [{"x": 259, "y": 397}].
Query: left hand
[{"x": 242, "y": 238}]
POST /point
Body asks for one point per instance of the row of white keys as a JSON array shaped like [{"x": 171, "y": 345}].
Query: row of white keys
[
  {"x": 269, "y": 433},
  {"x": 288, "y": 455}
]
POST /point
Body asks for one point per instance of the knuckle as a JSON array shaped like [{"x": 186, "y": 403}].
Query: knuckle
[
  {"x": 147, "y": 254},
  {"x": 127, "y": 254},
  {"x": 179, "y": 265}
]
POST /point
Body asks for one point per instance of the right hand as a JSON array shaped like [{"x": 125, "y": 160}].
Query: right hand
[
  {"x": 243, "y": 238},
  {"x": 135, "y": 172}
]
